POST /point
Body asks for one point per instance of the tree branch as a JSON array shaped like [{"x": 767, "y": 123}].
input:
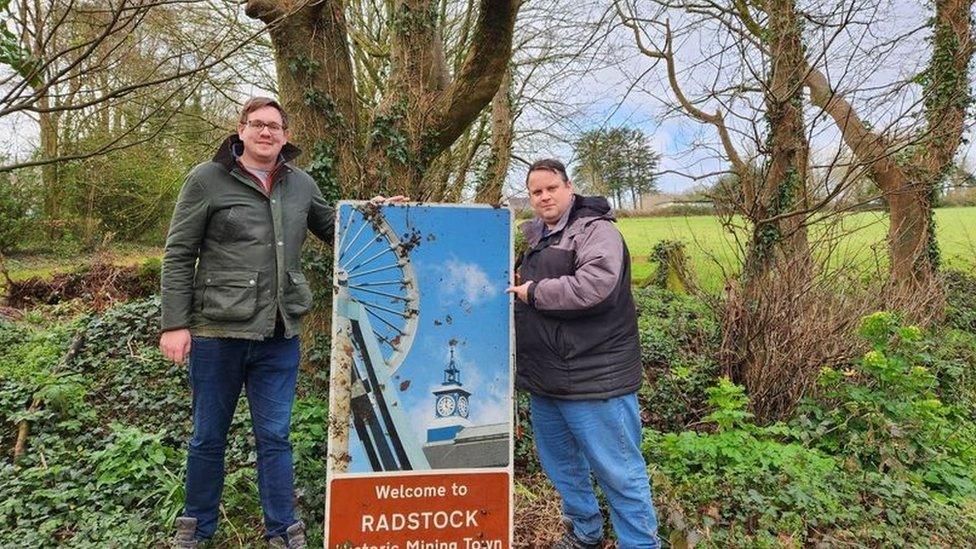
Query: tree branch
[
  {"x": 870, "y": 147},
  {"x": 716, "y": 119},
  {"x": 480, "y": 75}
]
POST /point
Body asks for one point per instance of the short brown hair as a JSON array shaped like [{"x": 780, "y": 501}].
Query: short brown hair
[
  {"x": 548, "y": 165},
  {"x": 256, "y": 103}
]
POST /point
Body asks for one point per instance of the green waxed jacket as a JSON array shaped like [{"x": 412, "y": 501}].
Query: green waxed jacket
[{"x": 232, "y": 262}]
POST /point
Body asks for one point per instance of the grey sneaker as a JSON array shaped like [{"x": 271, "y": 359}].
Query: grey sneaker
[
  {"x": 571, "y": 541},
  {"x": 186, "y": 527},
  {"x": 295, "y": 536}
]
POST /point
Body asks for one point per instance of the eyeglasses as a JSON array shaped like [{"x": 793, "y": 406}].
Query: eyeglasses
[{"x": 260, "y": 125}]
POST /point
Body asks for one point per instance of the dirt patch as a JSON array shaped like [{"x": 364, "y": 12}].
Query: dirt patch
[
  {"x": 538, "y": 516},
  {"x": 99, "y": 285},
  {"x": 10, "y": 314}
]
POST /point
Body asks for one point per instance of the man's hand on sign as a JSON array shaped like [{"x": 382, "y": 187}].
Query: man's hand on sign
[
  {"x": 175, "y": 345},
  {"x": 380, "y": 199},
  {"x": 521, "y": 291}
]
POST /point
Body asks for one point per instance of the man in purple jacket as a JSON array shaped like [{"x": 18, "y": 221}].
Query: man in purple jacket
[{"x": 578, "y": 354}]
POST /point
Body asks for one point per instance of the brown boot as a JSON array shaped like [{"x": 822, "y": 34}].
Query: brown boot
[
  {"x": 186, "y": 527},
  {"x": 295, "y": 536}
]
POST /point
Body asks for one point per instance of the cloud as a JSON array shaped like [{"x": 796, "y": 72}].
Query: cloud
[
  {"x": 468, "y": 281},
  {"x": 489, "y": 397}
]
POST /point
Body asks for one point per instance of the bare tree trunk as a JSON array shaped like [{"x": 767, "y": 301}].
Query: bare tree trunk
[
  {"x": 910, "y": 185},
  {"x": 778, "y": 254},
  {"x": 470, "y": 143},
  {"x": 777, "y": 235},
  {"x": 490, "y": 189},
  {"x": 911, "y": 240},
  {"x": 437, "y": 180},
  {"x": 49, "y": 172},
  {"x": 912, "y": 243},
  {"x": 423, "y": 110},
  {"x": 316, "y": 87},
  {"x": 35, "y": 18}
]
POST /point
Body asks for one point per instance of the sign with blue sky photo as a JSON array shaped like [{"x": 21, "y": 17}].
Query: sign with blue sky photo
[{"x": 421, "y": 377}]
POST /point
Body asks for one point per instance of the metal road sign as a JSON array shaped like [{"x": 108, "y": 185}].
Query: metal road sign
[{"x": 420, "y": 424}]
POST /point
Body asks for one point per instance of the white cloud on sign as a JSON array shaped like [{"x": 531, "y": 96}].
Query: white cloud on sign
[{"x": 468, "y": 281}]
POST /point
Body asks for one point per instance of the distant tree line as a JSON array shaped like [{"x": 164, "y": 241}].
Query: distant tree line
[{"x": 617, "y": 162}]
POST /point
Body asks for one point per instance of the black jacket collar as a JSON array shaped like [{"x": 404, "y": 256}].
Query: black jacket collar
[
  {"x": 595, "y": 207},
  {"x": 591, "y": 206},
  {"x": 233, "y": 147}
]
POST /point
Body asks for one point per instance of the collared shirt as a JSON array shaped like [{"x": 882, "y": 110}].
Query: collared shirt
[
  {"x": 263, "y": 175},
  {"x": 546, "y": 231}
]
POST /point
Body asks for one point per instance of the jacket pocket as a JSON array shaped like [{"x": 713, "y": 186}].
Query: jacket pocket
[
  {"x": 539, "y": 363},
  {"x": 298, "y": 294},
  {"x": 561, "y": 342},
  {"x": 230, "y": 295}
]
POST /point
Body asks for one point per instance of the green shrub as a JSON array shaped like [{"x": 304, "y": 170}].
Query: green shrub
[
  {"x": 128, "y": 193},
  {"x": 754, "y": 485},
  {"x": 961, "y": 300},
  {"x": 310, "y": 443},
  {"x": 679, "y": 337},
  {"x": 16, "y": 203},
  {"x": 953, "y": 362},
  {"x": 105, "y": 458},
  {"x": 526, "y": 458},
  {"x": 885, "y": 414},
  {"x": 881, "y": 455},
  {"x": 64, "y": 492},
  {"x": 742, "y": 485},
  {"x": 29, "y": 354}
]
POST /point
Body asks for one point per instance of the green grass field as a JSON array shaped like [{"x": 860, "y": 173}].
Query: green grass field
[{"x": 857, "y": 240}]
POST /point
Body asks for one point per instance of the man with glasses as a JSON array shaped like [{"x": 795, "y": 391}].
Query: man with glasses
[{"x": 233, "y": 293}]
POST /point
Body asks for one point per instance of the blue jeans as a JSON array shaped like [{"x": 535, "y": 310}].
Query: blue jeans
[
  {"x": 575, "y": 437},
  {"x": 268, "y": 370}
]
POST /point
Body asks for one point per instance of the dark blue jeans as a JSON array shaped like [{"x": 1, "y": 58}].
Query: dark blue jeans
[{"x": 268, "y": 371}]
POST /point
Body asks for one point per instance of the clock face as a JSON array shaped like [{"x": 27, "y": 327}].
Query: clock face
[
  {"x": 462, "y": 406},
  {"x": 445, "y": 405}
]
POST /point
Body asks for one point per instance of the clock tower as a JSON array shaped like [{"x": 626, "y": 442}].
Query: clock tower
[{"x": 450, "y": 405}]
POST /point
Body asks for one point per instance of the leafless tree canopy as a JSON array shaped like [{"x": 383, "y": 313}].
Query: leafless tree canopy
[{"x": 94, "y": 68}]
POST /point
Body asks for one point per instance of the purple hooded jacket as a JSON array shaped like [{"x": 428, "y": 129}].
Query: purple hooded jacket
[{"x": 577, "y": 338}]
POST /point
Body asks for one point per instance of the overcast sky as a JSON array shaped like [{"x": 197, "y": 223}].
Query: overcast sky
[{"x": 631, "y": 91}]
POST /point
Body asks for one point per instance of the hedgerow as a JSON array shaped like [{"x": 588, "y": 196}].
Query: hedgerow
[
  {"x": 876, "y": 457},
  {"x": 105, "y": 456},
  {"x": 882, "y": 453}
]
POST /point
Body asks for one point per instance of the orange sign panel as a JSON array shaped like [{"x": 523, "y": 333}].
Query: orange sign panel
[{"x": 423, "y": 511}]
